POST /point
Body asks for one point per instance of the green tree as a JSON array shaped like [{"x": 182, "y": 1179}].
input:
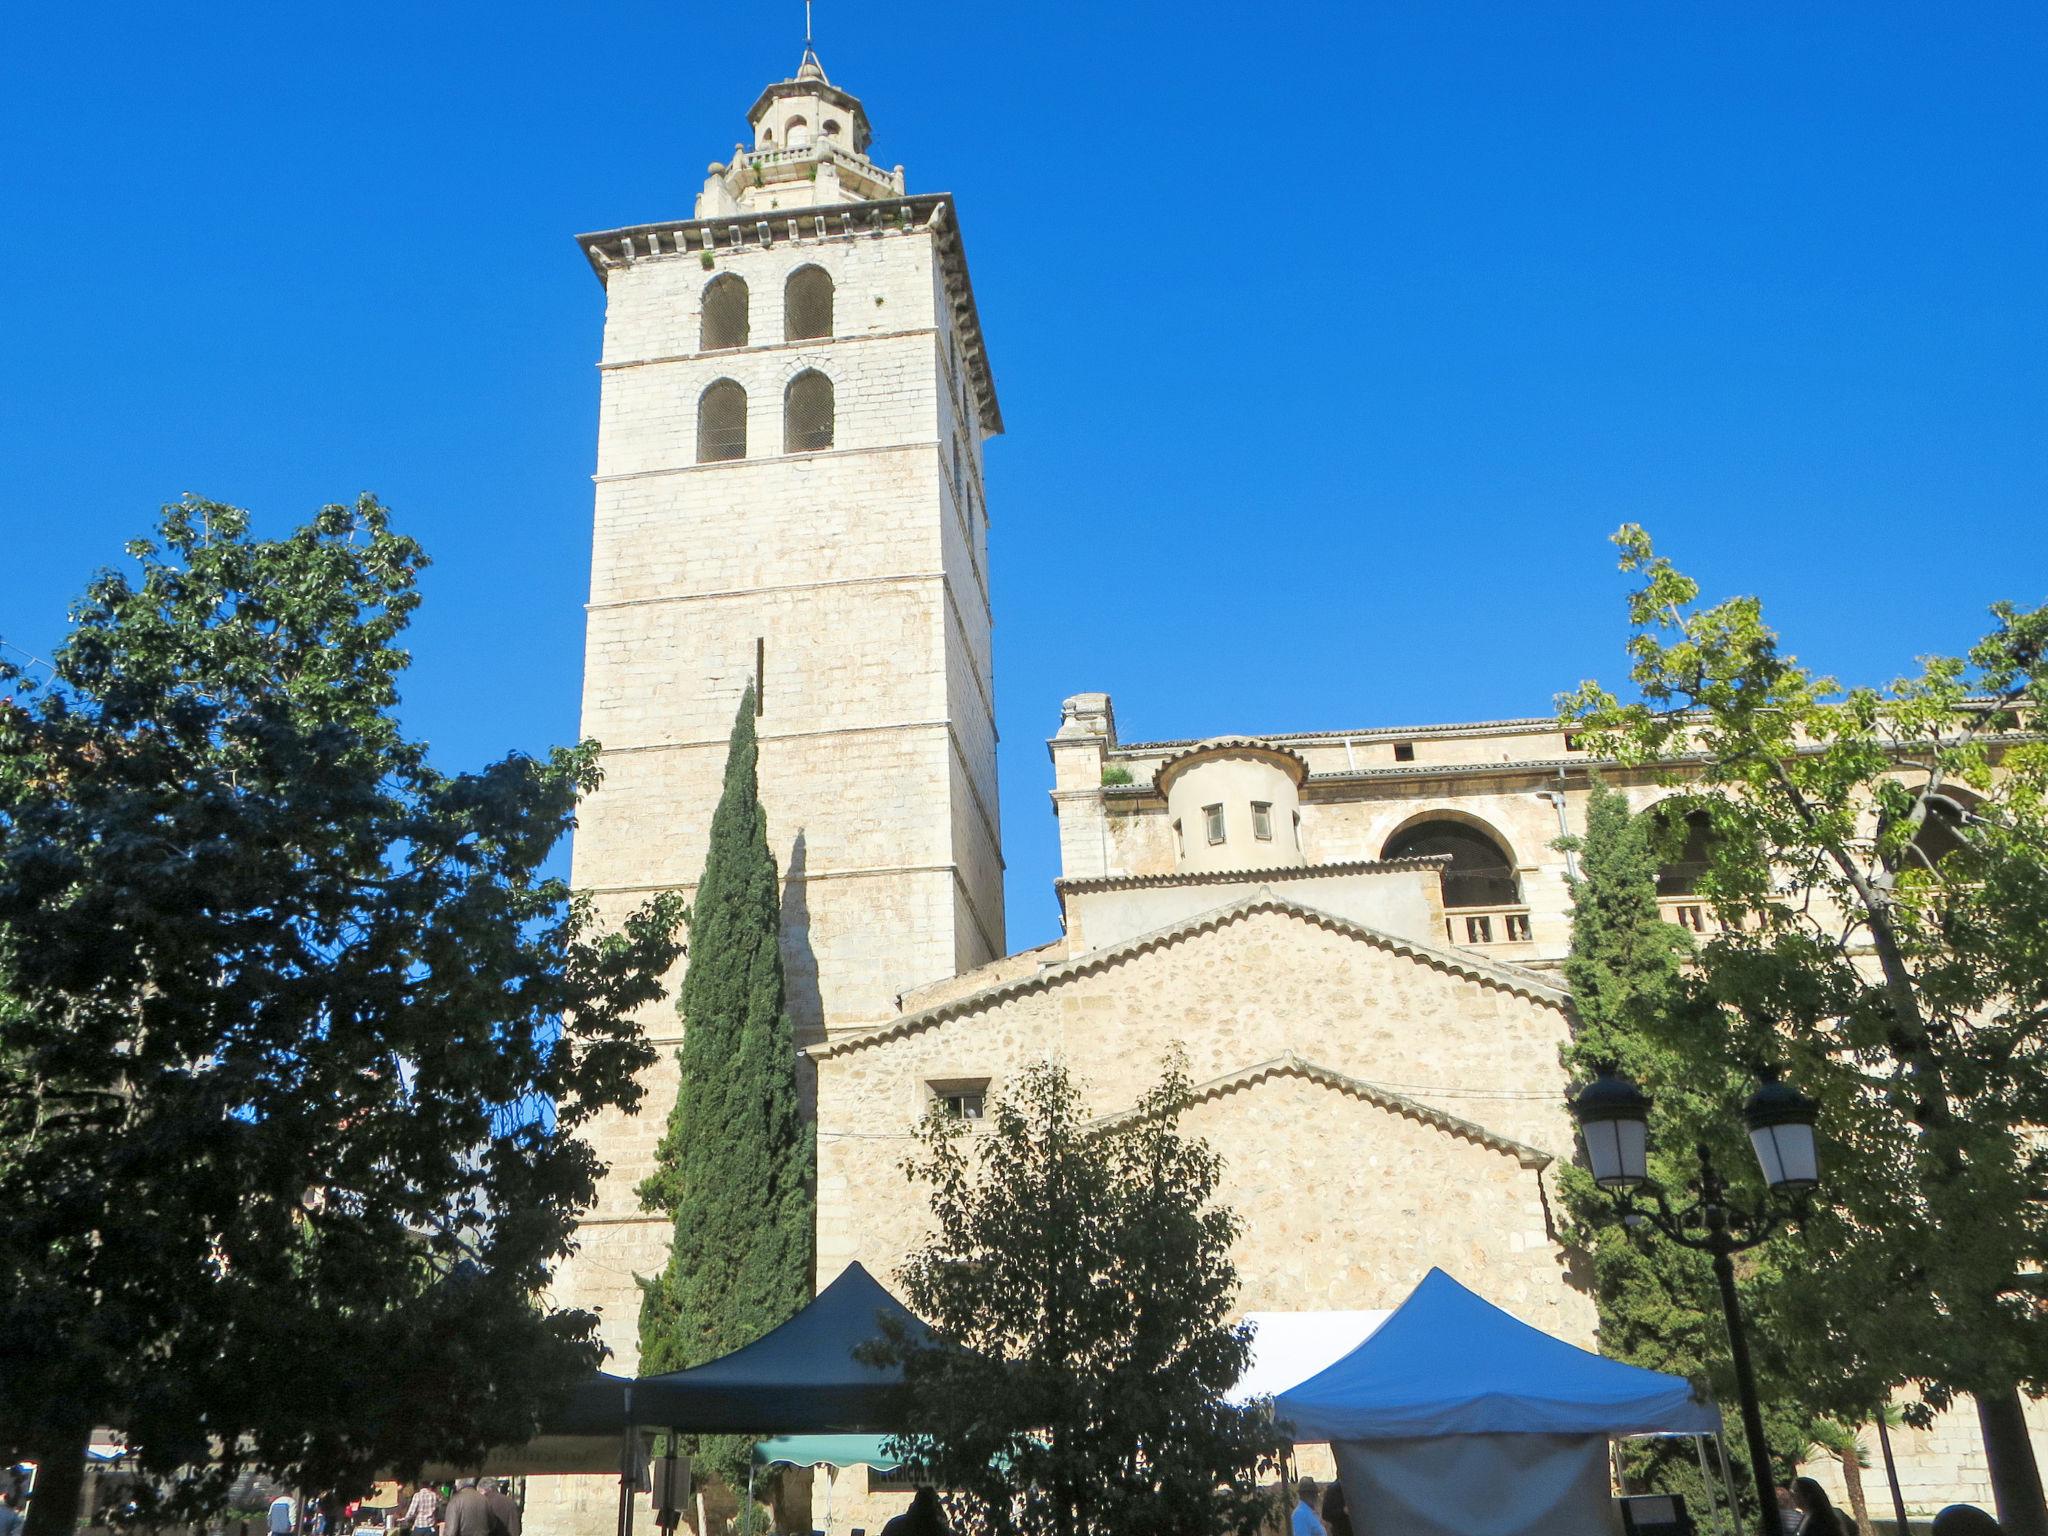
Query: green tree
[
  {"x": 1880, "y": 863},
  {"x": 734, "y": 1168},
  {"x": 1657, "y": 1301},
  {"x": 299, "y": 1033},
  {"x": 1085, "y": 1273}
]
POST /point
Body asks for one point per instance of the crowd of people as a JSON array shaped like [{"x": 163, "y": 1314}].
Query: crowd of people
[{"x": 471, "y": 1506}]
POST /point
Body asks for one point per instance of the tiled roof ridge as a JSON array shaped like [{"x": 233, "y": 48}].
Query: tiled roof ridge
[
  {"x": 1294, "y": 1064},
  {"x": 1426, "y": 862},
  {"x": 1492, "y": 973}
]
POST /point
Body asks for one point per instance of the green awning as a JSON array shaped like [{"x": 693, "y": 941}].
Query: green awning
[{"x": 826, "y": 1450}]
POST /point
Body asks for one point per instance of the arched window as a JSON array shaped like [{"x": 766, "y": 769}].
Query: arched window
[
  {"x": 807, "y": 413},
  {"x": 725, "y": 314},
  {"x": 1688, "y": 853},
  {"x": 721, "y": 422},
  {"x": 1945, "y": 828},
  {"x": 831, "y": 129},
  {"x": 796, "y": 133},
  {"x": 1479, "y": 874},
  {"x": 807, "y": 304}
]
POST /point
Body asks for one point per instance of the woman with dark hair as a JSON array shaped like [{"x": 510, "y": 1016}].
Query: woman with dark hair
[
  {"x": 925, "y": 1517},
  {"x": 1822, "y": 1518},
  {"x": 1336, "y": 1514}
]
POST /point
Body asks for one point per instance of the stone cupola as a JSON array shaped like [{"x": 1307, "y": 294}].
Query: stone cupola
[
  {"x": 1235, "y": 803},
  {"x": 810, "y": 150}
]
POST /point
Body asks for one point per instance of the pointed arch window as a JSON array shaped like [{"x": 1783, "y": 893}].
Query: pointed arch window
[
  {"x": 1479, "y": 874},
  {"x": 724, "y": 322},
  {"x": 721, "y": 422},
  {"x": 807, "y": 304},
  {"x": 807, "y": 413}
]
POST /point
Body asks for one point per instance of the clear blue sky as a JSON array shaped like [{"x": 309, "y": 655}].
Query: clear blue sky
[{"x": 1332, "y": 339}]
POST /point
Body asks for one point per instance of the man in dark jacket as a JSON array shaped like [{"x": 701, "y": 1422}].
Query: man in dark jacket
[
  {"x": 469, "y": 1513},
  {"x": 504, "y": 1508}
]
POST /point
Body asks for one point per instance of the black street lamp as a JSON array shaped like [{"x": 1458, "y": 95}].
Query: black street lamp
[{"x": 1613, "y": 1115}]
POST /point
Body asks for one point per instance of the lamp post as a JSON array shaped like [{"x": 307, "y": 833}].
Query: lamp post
[{"x": 1613, "y": 1116}]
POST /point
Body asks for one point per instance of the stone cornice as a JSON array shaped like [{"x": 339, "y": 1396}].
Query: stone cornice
[
  {"x": 931, "y": 212},
  {"x": 1488, "y": 973},
  {"x": 1295, "y": 1065},
  {"x": 1089, "y": 884}
]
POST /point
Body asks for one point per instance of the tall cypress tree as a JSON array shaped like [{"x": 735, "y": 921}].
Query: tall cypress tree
[
  {"x": 1656, "y": 1300},
  {"x": 734, "y": 1169}
]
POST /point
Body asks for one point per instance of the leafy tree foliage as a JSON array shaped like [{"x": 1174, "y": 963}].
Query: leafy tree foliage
[
  {"x": 299, "y": 1034},
  {"x": 1880, "y": 863},
  {"x": 1085, "y": 1273},
  {"x": 734, "y": 1169},
  {"x": 1658, "y": 1304}
]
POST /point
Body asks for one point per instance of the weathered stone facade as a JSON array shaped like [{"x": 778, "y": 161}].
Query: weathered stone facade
[
  {"x": 842, "y": 566},
  {"x": 1350, "y": 938}
]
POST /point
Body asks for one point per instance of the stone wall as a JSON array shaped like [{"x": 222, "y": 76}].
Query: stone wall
[
  {"x": 1345, "y": 1203},
  {"x": 861, "y": 570}
]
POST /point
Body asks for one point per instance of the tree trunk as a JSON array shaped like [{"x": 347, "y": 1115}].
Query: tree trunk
[
  {"x": 1891, "y": 1473},
  {"x": 60, "y": 1483},
  {"x": 2015, "y": 1476},
  {"x": 1852, "y": 1479}
]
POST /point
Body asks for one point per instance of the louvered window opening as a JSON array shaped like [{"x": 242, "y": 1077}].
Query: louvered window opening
[
  {"x": 725, "y": 314},
  {"x": 807, "y": 414},
  {"x": 807, "y": 304},
  {"x": 722, "y": 423}
]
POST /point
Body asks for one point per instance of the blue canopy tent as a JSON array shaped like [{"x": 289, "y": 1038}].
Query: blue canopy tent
[{"x": 1455, "y": 1419}]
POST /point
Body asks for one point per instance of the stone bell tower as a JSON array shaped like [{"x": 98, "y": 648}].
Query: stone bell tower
[{"x": 794, "y": 401}]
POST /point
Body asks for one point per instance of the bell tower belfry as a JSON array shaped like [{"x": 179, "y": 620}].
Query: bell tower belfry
[{"x": 795, "y": 397}]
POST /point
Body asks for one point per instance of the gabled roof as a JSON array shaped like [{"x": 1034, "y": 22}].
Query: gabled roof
[
  {"x": 1488, "y": 973},
  {"x": 1293, "y": 1065}
]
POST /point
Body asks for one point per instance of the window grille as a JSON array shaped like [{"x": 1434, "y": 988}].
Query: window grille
[
  {"x": 807, "y": 413},
  {"x": 1479, "y": 874},
  {"x": 724, "y": 321},
  {"x": 807, "y": 304},
  {"x": 1262, "y": 820},
  {"x": 957, "y": 482},
  {"x": 721, "y": 423},
  {"x": 1213, "y": 815}
]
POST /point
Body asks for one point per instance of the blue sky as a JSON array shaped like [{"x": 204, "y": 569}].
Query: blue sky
[{"x": 1332, "y": 340}]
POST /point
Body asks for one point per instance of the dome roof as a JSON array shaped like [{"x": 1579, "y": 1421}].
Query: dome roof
[{"x": 1287, "y": 761}]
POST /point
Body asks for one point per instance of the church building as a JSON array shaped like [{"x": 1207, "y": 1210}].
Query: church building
[{"x": 1351, "y": 938}]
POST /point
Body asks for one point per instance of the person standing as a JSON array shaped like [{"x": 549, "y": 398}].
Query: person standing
[
  {"x": 504, "y": 1508},
  {"x": 10, "y": 1514},
  {"x": 1336, "y": 1513},
  {"x": 423, "y": 1515},
  {"x": 1306, "y": 1521},
  {"x": 1822, "y": 1518},
  {"x": 281, "y": 1520},
  {"x": 469, "y": 1513}
]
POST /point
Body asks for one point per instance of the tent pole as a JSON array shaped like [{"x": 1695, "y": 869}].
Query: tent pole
[
  {"x": 1699, "y": 1444},
  {"x": 626, "y": 1468},
  {"x": 1728, "y": 1483}
]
